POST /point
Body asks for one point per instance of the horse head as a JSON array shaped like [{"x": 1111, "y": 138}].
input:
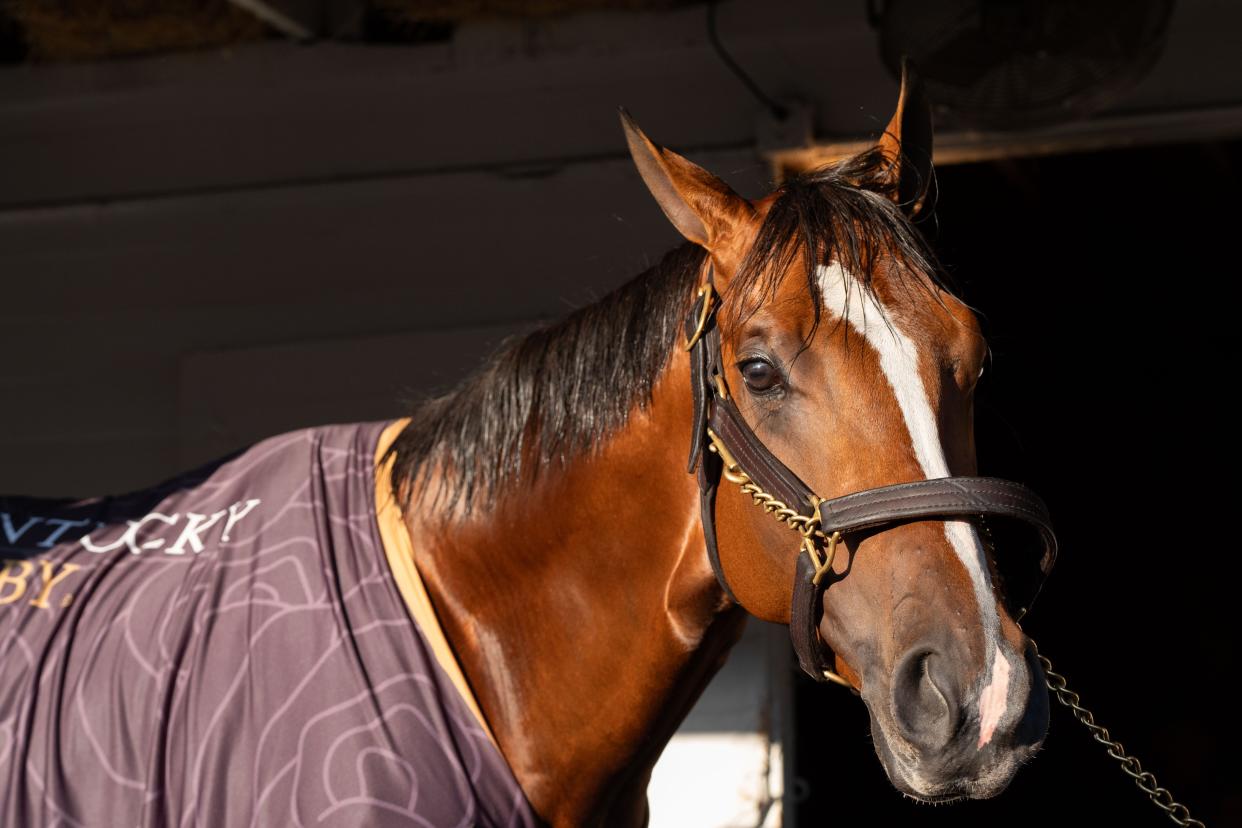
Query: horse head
[{"x": 856, "y": 368}]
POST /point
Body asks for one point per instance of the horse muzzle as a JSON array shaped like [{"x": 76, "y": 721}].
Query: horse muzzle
[{"x": 937, "y": 739}]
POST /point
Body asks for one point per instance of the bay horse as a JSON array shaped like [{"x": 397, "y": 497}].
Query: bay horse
[{"x": 574, "y": 588}]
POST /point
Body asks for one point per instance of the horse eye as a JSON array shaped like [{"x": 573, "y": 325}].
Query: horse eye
[{"x": 759, "y": 374}]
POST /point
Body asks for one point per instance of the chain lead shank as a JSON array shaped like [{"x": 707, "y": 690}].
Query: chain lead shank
[{"x": 1145, "y": 780}]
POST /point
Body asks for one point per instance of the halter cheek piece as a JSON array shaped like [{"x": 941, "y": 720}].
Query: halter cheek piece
[{"x": 723, "y": 445}]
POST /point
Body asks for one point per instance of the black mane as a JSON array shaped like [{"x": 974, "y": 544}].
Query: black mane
[{"x": 549, "y": 396}]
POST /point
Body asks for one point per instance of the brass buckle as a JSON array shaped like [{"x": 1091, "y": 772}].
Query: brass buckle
[
  {"x": 830, "y": 552},
  {"x": 708, "y": 295},
  {"x": 809, "y": 532}
]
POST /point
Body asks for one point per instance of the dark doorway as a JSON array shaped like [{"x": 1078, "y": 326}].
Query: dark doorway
[{"x": 1106, "y": 283}]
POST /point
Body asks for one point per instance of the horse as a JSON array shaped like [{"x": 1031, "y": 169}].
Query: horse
[{"x": 519, "y": 590}]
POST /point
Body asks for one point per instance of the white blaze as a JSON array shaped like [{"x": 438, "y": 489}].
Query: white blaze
[{"x": 899, "y": 359}]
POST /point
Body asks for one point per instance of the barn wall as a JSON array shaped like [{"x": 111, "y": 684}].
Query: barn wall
[
  {"x": 111, "y": 306},
  {"x": 155, "y": 209}
]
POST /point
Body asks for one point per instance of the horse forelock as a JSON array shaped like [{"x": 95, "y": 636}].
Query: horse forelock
[{"x": 823, "y": 217}]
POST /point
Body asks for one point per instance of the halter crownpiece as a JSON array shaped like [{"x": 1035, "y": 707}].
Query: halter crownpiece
[{"x": 723, "y": 445}]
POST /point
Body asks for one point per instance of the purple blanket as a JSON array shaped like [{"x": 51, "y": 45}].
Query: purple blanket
[{"x": 229, "y": 649}]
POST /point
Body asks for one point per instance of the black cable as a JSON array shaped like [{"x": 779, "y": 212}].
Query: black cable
[{"x": 778, "y": 111}]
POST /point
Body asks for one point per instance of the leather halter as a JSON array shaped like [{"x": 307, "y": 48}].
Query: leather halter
[{"x": 724, "y": 445}]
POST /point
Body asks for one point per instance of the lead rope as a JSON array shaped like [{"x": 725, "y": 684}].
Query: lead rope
[{"x": 1145, "y": 780}]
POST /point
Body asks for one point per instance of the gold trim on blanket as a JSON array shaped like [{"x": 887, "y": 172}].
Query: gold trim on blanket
[{"x": 400, "y": 553}]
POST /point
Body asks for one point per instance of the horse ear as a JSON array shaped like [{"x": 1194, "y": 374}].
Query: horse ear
[
  {"x": 907, "y": 144},
  {"x": 701, "y": 206}
]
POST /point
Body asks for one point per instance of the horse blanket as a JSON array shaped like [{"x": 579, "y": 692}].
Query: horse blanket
[{"x": 230, "y": 648}]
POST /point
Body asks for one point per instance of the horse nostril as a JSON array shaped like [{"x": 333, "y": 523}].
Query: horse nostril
[{"x": 925, "y": 703}]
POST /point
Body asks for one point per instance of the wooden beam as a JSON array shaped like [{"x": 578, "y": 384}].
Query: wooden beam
[
  {"x": 1113, "y": 132},
  {"x": 304, "y": 20}
]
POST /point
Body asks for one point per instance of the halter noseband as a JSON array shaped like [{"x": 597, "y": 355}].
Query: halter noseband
[{"x": 724, "y": 445}]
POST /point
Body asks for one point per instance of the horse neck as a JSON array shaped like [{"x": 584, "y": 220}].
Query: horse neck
[{"x": 584, "y": 612}]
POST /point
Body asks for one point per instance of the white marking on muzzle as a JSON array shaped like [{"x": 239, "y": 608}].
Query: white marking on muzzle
[
  {"x": 899, "y": 359},
  {"x": 994, "y": 698}
]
